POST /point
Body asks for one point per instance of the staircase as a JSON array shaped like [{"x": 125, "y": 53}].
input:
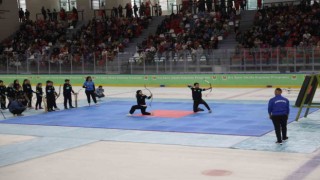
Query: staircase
[
  {"x": 152, "y": 28},
  {"x": 247, "y": 18},
  {"x": 246, "y": 23},
  {"x": 132, "y": 46},
  {"x": 229, "y": 42}
]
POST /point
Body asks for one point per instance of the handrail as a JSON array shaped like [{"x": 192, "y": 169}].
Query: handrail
[{"x": 67, "y": 12}]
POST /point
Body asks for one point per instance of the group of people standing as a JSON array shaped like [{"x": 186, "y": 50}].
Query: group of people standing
[{"x": 20, "y": 96}]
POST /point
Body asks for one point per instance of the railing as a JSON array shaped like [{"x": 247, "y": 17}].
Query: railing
[
  {"x": 68, "y": 17},
  {"x": 273, "y": 60}
]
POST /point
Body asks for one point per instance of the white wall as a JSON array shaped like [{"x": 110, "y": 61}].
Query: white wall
[
  {"x": 10, "y": 20},
  {"x": 34, "y": 6}
]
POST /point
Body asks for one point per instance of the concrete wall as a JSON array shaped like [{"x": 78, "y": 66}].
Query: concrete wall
[
  {"x": 34, "y": 6},
  {"x": 9, "y": 20}
]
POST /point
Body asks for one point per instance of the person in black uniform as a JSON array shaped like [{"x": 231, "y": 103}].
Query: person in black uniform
[
  {"x": 10, "y": 93},
  {"x": 39, "y": 93},
  {"x": 67, "y": 90},
  {"x": 27, "y": 89},
  {"x": 279, "y": 109},
  {"x": 3, "y": 91},
  {"x": 51, "y": 96},
  {"x": 21, "y": 96},
  {"x": 197, "y": 97},
  {"x": 141, "y": 103},
  {"x": 16, "y": 84},
  {"x": 16, "y": 107}
]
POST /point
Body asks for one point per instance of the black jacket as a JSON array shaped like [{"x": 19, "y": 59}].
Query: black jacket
[
  {"x": 50, "y": 91},
  {"x": 27, "y": 89},
  {"x": 196, "y": 93},
  {"x": 141, "y": 99},
  {"x": 67, "y": 89}
]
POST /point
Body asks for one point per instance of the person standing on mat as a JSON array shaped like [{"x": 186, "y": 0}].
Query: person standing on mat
[
  {"x": 51, "y": 96},
  {"x": 141, "y": 103},
  {"x": 39, "y": 95},
  {"x": 197, "y": 97},
  {"x": 3, "y": 92},
  {"x": 90, "y": 90},
  {"x": 27, "y": 89},
  {"x": 67, "y": 90},
  {"x": 278, "y": 109}
]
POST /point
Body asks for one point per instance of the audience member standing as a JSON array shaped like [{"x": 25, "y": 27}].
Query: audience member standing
[
  {"x": 135, "y": 9},
  {"x": 142, "y": 9},
  {"x": 128, "y": 10},
  {"x": 21, "y": 15},
  {"x": 49, "y": 14},
  {"x": 54, "y": 15},
  {"x": 120, "y": 10},
  {"x": 62, "y": 14},
  {"x": 27, "y": 14},
  {"x": 44, "y": 13}
]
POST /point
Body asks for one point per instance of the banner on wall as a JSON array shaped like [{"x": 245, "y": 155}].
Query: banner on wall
[{"x": 217, "y": 80}]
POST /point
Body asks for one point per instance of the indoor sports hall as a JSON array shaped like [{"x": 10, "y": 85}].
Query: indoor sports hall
[{"x": 232, "y": 54}]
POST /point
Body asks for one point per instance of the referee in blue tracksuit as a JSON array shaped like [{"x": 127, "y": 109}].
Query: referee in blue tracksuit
[{"x": 279, "y": 110}]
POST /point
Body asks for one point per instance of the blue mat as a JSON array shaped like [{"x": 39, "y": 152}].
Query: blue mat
[{"x": 227, "y": 118}]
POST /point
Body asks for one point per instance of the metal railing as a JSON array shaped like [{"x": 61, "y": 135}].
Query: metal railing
[
  {"x": 68, "y": 15},
  {"x": 271, "y": 60}
]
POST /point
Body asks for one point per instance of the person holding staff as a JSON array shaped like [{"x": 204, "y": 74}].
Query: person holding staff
[
  {"x": 67, "y": 90},
  {"x": 197, "y": 97},
  {"x": 27, "y": 89},
  {"x": 278, "y": 109},
  {"x": 39, "y": 94},
  {"x": 51, "y": 96},
  {"x": 141, "y": 103},
  {"x": 90, "y": 90}
]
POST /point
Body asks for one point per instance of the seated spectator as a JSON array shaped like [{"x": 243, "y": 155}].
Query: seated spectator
[
  {"x": 100, "y": 92},
  {"x": 16, "y": 107}
]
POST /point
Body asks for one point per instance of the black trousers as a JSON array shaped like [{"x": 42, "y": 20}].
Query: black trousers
[
  {"x": 280, "y": 126},
  {"x": 16, "y": 111},
  {"x": 3, "y": 101},
  {"x": 67, "y": 97},
  {"x": 143, "y": 109},
  {"x": 51, "y": 101},
  {"x": 39, "y": 101},
  {"x": 30, "y": 99},
  {"x": 92, "y": 94},
  {"x": 196, "y": 103}
]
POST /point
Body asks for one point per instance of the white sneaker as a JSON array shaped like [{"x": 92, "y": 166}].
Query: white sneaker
[
  {"x": 129, "y": 114},
  {"x": 56, "y": 109}
]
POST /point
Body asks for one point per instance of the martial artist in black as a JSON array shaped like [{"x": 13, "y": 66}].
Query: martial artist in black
[
  {"x": 51, "y": 96},
  {"x": 141, "y": 103},
  {"x": 67, "y": 90},
  {"x": 28, "y": 91},
  {"x": 10, "y": 93},
  {"x": 3, "y": 91},
  {"x": 197, "y": 97},
  {"x": 39, "y": 93}
]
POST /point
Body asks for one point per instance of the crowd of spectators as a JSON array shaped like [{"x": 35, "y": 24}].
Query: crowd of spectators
[
  {"x": 284, "y": 26},
  {"x": 100, "y": 40},
  {"x": 194, "y": 33},
  {"x": 33, "y": 38}
]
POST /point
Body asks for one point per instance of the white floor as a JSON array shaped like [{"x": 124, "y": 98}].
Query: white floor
[{"x": 42, "y": 152}]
